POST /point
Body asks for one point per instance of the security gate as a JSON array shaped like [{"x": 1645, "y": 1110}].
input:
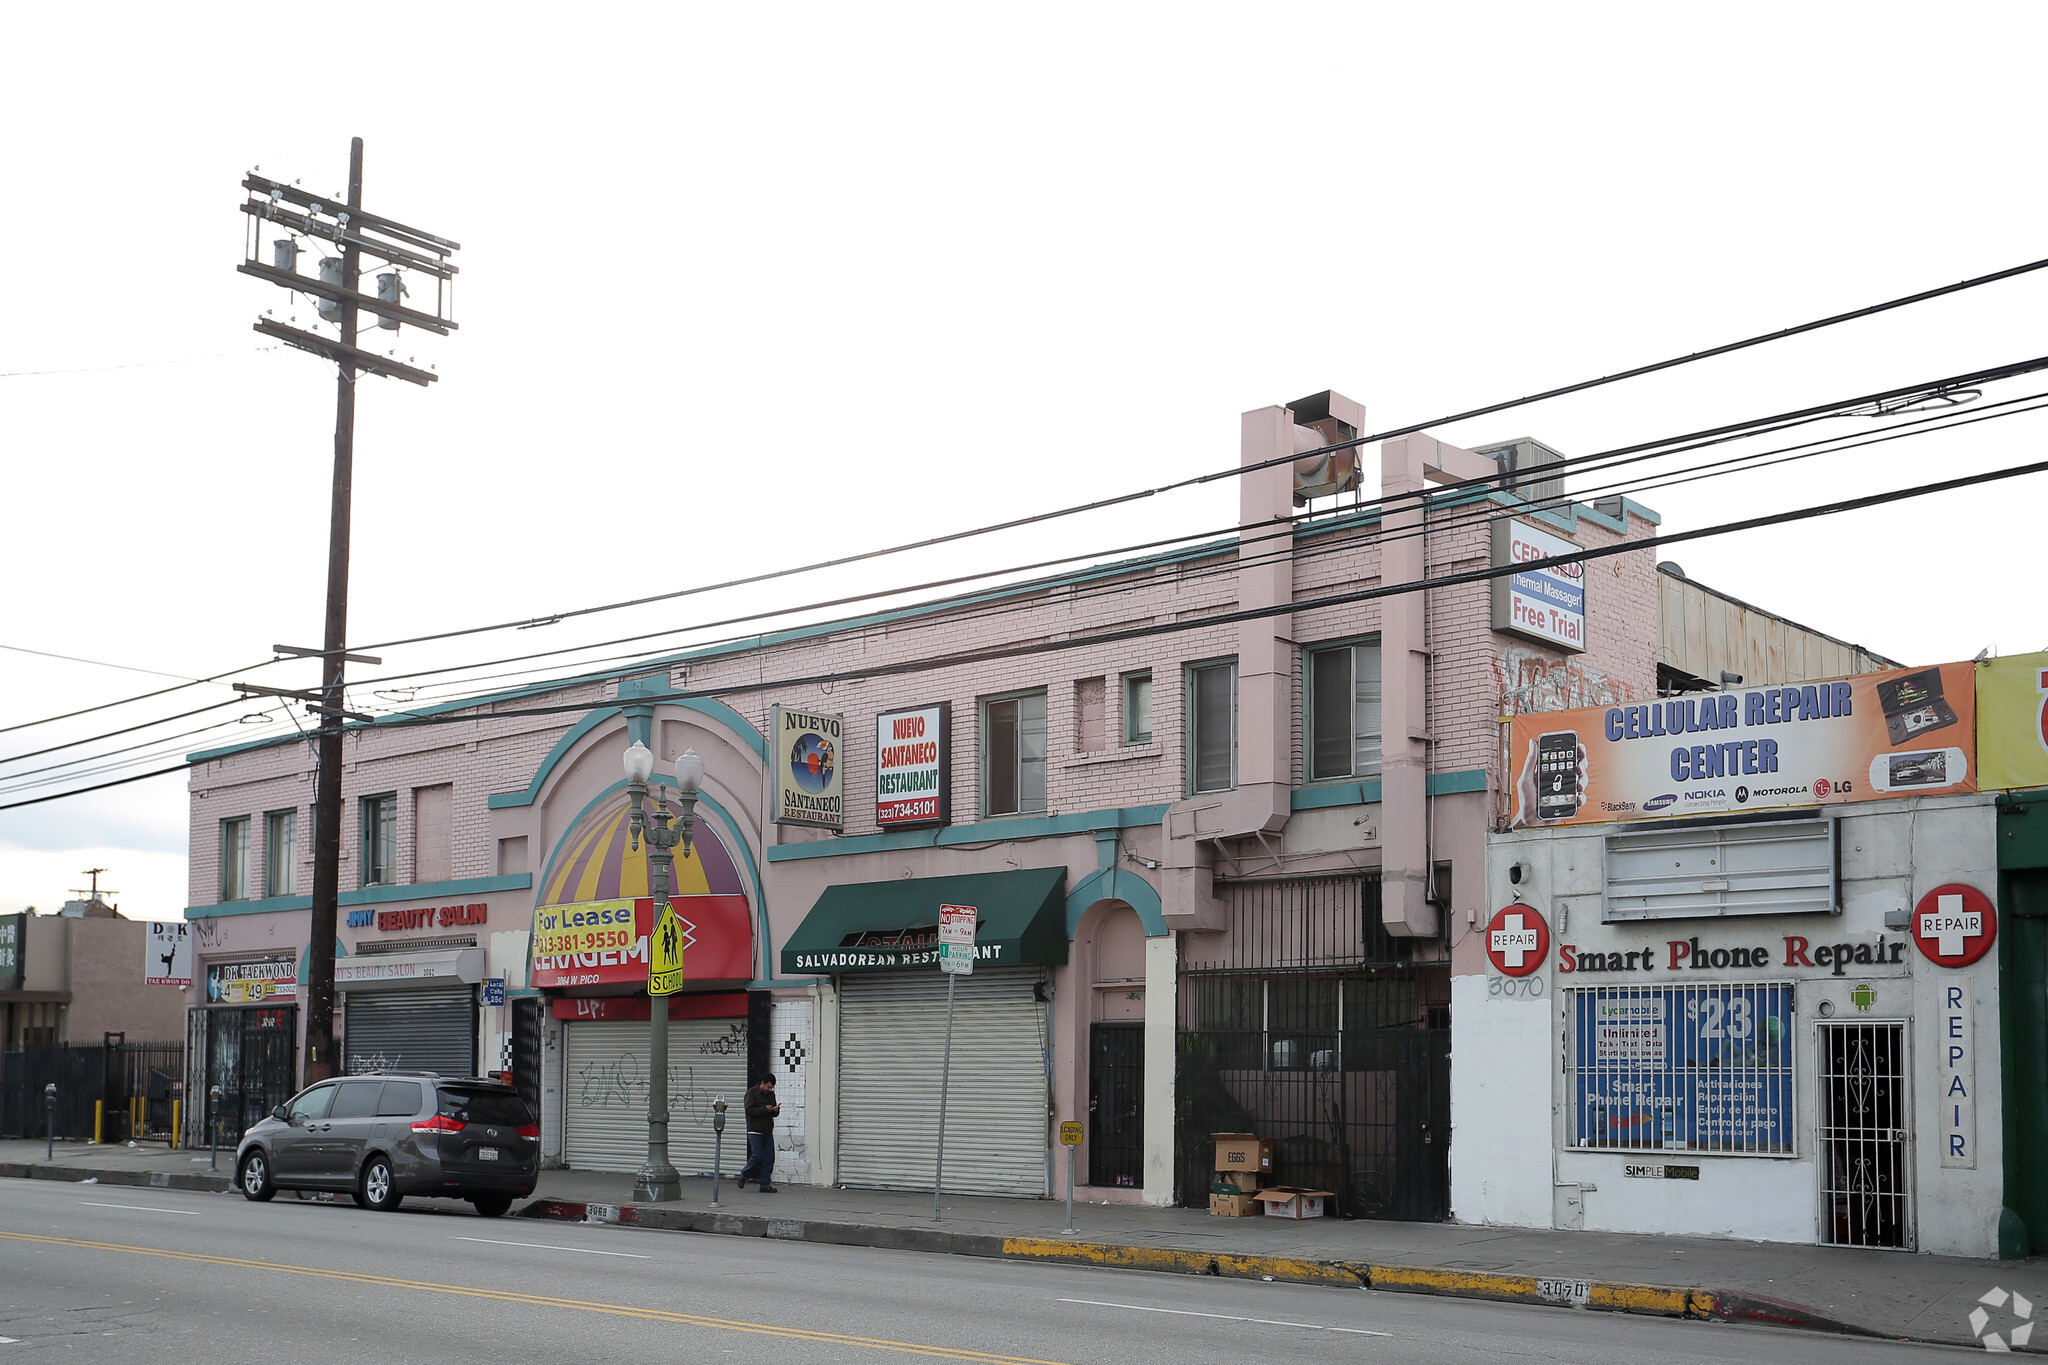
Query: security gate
[
  {"x": 1116, "y": 1105},
  {"x": 1866, "y": 1161},
  {"x": 1312, "y": 1026},
  {"x": 433, "y": 1029},
  {"x": 252, "y": 1055}
]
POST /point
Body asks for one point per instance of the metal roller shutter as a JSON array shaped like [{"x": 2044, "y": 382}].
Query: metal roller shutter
[
  {"x": 604, "y": 1094},
  {"x": 892, "y": 1033},
  {"x": 418, "y": 1030}
]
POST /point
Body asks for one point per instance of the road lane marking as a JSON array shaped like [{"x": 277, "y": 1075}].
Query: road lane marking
[
  {"x": 138, "y": 1208},
  {"x": 541, "y": 1301},
  {"x": 1228, "y": 1317},
  {"x": 550, "y": 1246}
]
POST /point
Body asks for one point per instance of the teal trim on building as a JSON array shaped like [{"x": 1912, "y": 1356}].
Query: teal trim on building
[
  {"x": 986, "y": 831},
  {"x": 1117, "y": 884},
  {"x": 734, "y": 841},
  {"x": 707, "y": 707},
  {"x": 368, "y": 895},
  {"x": 1324, "y": 795}
]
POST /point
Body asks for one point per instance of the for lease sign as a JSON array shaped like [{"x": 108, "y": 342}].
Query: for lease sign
[{"x": 911, "y": 759}]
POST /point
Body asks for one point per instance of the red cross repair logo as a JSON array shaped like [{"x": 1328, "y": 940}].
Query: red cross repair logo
[
  {"x": 1954, "y": 925},
  {"x": 1517, "y": 940}
]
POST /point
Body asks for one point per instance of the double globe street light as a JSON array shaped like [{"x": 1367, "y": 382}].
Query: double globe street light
[{"x": 657, "y": 1181}]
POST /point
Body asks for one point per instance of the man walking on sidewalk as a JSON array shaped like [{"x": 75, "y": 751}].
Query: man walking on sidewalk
[{"x": 761, "y": 1112}]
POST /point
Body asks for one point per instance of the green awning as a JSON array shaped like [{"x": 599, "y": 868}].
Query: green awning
[{"x": 888, "y": 926}]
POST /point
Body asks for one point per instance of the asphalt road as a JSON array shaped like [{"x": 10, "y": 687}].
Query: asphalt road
[{"x": 96, "y": 1273}]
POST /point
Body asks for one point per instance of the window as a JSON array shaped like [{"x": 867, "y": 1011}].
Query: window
[
  {"x": 312, "y": 1105},
  {"x": 1013, "y": 755},
  {"x": 433, "y": 826},
  {"x": 1704, "y": 1068},
  {"x": 380, "y": 840},
  {"x": 356, "y": 1100},
  {"x": 280, "y": 853},
  {"x": 234, "y": 859},
  {"x": 1212, "y": 737},
  {"x": 1088, "y": 706},
  {"x": 400, "y": 1100},
  {"x": 1137, "y": 708},
  {"x": 1344, "y": 712}
]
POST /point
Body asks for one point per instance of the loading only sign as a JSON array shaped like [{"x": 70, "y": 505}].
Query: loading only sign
[
  {"x": 1954, "y": 925},
  {"x": 1517, "y": 940}
]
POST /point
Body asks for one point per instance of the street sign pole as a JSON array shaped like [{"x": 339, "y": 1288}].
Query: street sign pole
[
  {"x": 1070, "y": 1138},
  {"x": 956, "y": 959},
  {"x": 945, "y": 1079}
]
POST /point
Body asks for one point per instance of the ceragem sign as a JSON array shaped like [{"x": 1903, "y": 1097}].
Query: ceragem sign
[{"x": 1548, "y": 604}]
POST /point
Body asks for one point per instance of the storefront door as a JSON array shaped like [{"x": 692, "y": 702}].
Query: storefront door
[
  {"x": 892, "y": 1028},
  {"x": 1866, "y": 1154}
]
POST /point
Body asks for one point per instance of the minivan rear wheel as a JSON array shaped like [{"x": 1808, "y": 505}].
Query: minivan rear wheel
[
  {"x": 493, "y": 1205},
  {"x": 257, "y": 1185},
  {"x": 376, "y": 1191}
]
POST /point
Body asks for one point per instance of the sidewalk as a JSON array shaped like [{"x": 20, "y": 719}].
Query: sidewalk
[{"x": 1876, "y": 1293}]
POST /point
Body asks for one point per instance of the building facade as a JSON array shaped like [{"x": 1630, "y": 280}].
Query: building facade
[
  {"x": 1222, "y": 810},
  {"x": 1777, "y": 975}
]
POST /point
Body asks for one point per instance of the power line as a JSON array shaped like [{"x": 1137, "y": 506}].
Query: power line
[
  {"x": 142, "y": 364},
  {"x": 1439, "y": 526},
  {"x": 1295, "y": 606},
  {"x": 1835, "y": 508},
  {"x": 96, "y": 663}
]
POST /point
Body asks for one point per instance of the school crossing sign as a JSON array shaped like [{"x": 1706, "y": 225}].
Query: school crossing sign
[{"x": 665, "y": 954}]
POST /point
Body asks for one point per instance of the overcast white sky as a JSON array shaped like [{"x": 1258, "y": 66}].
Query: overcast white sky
[{"x": 742, "y": 289}]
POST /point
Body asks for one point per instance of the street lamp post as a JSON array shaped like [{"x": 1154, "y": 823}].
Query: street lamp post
[{"x": 657, "y": 1181}]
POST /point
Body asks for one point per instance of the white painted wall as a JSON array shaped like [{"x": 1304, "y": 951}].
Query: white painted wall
[
  {"x": 793, "y": 1055},
  {"x": 1505, "y": 1065},
  {"x": 1162, "y": 961}
]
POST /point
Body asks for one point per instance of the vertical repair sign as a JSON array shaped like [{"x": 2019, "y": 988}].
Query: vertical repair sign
[
  {"x": 1958, "y": 1044},
  {"x": 1547, "y": 604}
]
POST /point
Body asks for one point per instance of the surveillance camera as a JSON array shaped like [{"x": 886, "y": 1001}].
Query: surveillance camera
[{"x": 1518, "y": 873}]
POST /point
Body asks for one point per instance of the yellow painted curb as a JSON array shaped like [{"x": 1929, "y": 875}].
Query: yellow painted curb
[
  {"x": 1651, "y": 1300},
  {"x": 1292, "y": 1269}
]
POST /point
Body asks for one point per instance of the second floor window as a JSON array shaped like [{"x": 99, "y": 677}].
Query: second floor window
[
  {"x": 1344, "y": 712},
  {"x": 280, "y": 853},
  {"x": 234, "y": 859},
  {"x": 1137, "y": 708},
  {"x": 1013, "y": 755},
  {"x": 380, "y": 840},
  {"x": 1212, "y": 727}
]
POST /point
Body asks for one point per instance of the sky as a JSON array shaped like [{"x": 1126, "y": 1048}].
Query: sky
[{"x": 742, "y": 289}]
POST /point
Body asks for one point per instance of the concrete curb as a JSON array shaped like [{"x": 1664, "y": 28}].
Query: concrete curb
[
  {"x": 1595, "y": 1295},
  {"x": 211, "y": 1182}
]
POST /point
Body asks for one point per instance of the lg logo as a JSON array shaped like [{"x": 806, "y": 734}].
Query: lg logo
[{"x": 2041, "y": 719}]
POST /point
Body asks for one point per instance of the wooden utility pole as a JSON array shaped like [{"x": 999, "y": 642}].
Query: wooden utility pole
[{"x": 404, "y": 248}]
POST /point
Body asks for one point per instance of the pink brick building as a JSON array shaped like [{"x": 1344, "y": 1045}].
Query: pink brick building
[{"x": 1225, "y": 857}]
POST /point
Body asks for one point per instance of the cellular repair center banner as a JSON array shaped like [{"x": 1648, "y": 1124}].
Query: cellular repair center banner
[{"x": 1909, "y": 732}]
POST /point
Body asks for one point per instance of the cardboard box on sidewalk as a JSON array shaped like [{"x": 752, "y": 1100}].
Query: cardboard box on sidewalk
[
  {"x": 1243, "y": 1152},
  {"x": 1235, "y": 1182},
  {"x": 1233, "y": 1205},
  {"x": 1287, "y": 1201}
]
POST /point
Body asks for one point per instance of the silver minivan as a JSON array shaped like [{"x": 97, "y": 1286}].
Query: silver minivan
[{"x": 390, "y": 1134}]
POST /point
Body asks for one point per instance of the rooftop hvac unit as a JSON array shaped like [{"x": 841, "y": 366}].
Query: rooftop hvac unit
[{"x": 1522, "y": 465}]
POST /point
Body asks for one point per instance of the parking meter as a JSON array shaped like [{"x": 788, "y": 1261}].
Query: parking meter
[
  {"x": 213, "y": 1127},
  {"x": 717, "y": 1144},
  {"x": 49, "y": 1120}
]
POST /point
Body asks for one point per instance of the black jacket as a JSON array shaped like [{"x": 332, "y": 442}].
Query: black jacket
[{"x": 761, "y": 1106}]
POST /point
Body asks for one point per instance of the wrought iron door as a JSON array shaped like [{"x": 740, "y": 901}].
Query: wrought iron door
[
  {"x": 251, "y": 1055},
  {"x": 1866, "y": 1156},
  {"x": 1312, "y": 1026},
  {"x": 1116, "y": 1105}
]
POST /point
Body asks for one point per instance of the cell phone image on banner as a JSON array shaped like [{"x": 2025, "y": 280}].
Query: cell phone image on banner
[
  {"x": 1914, "y": 706},
  {"x": 1557, "y": 775}
]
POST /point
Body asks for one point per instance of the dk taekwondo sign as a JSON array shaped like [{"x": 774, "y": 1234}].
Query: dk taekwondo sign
[{"x": 1517, "y": 940}]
